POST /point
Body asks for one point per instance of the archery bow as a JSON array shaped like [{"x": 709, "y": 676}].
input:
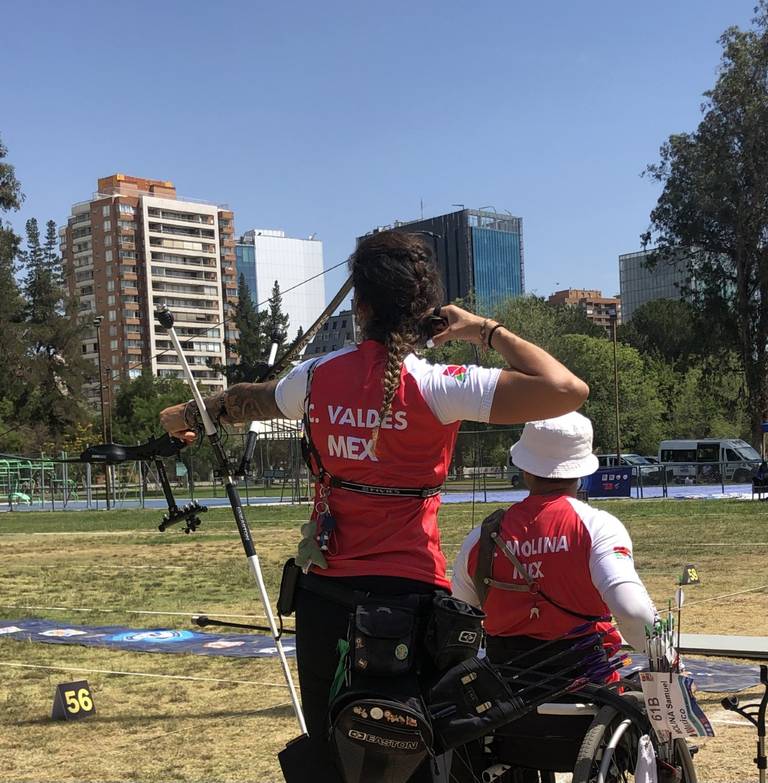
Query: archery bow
[{"x": 166, "y": 320}]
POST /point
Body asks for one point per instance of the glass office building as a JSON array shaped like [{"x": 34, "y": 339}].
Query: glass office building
[
  {"x": 640, "y": 283},
  {"x": 477, "y": 251}
]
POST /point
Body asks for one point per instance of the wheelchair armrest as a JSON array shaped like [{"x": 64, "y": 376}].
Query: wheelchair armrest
[{"x": 565, "y": 709}]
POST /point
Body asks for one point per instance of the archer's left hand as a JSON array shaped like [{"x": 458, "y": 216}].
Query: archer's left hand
[{"x": 173, "y": 421}]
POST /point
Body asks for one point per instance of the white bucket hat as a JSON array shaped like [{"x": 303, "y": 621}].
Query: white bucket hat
[{"x": 556, "y": 448}]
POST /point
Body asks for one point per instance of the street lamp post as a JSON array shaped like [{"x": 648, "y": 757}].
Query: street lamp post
[
  {"x": 614, "y": 321},
  {"x": 97, "y": 323}
]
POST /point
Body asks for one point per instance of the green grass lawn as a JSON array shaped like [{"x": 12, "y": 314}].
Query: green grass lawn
[{"x": 117, "y": 563}]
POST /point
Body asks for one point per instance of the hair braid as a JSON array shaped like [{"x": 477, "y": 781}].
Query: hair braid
[
  {"x": 397, "y": 349},
  {"x": 395, "y": 274}
]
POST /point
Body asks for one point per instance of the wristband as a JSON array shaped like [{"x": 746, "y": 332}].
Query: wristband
[
  {"x": 490, "y": 334},
  {"x": 192, "y": 417}
]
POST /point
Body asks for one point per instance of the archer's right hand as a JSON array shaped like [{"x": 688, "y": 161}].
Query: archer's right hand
[{"x": 462, "y": 325}]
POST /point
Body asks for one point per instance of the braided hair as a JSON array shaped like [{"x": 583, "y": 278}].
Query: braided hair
[{"x": 395, "y": 275}]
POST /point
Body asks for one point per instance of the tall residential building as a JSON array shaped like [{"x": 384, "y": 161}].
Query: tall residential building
[
  {"x": 640, "y": 284},
  {"x": 265, "y": 256},
  {"x": 338, "y": 331},
  {"x": 135, "y": 245},
  {"x": 476, "y": 250},
  {"x": 597, "y": 308}
]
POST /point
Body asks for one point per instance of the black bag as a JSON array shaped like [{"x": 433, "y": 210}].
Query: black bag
[
  {"x": 454, "y": 631},
  {"x": 383, "y": 639},
  {"x": 379, "y": 738},
  {"x": 286, "y": 598},
  {"x": 308, "y": 760},
  {"x": 469, "y": 701}
]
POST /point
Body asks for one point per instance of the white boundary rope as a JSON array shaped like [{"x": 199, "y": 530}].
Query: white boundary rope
[
  {"x": 726, "y": 595},
  {"x": 130, "y": 611},
  {"x": 19, "y": 665}
]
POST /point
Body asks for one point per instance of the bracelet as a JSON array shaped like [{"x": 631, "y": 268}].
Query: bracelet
[{"x": 491, "y": 333}]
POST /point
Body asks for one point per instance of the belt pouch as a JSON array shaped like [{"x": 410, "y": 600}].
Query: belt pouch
[
  {"x": 383, "y": 639},
  {"x": 454, "y": 631},
  {"x": 286, "y": 599}
]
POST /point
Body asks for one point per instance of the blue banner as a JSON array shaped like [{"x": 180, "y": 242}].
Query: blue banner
[
  {"x": 609, "y": 483},
  {"x": 159, "y": 640}
]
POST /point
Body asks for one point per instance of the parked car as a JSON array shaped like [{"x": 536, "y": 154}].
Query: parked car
[
  {"x": 651, "y": 473},
  {"x": 709, "y": 460},
  {"x": 514, "y": 474}
]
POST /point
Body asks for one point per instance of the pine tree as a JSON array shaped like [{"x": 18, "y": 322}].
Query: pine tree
[
  {"x": 55, "y": 370},
  {"x": 250, "y": 345},
  {"x": 276, "y": 322},
  {"x": 12, "y": 352}
]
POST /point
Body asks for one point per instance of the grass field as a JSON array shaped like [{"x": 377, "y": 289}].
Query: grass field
[{"x": 151, "y": 729}]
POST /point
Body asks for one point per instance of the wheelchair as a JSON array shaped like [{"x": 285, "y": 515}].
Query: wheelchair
[{"x": 595, "y": 734}]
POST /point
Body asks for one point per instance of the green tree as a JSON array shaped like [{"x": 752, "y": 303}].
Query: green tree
[
  {"x": 276, "y": 322},
  {"x": 714, "y": 205},
  {"x": 666, "y": 328},
  {"x": 12, "y": 352},
  {"x": 54, "y": 369},
  {"x": 138, "y": 402},
  {"x": 705, "y": 403},
  {"x": 544, "y": 324},
  {"x": 250, "y": 345},
  {"x": 640, "y": 408}
]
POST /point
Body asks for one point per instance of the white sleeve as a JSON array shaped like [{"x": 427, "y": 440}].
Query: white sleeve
[
  {"x": 613, "y": 573},
  {"x": 455, "y": 392},
  {"x": 462, "y": 585},
  {"x": 291, "y": 391},
  {"x": 610, "y": 559},
  {"x": 633, "y": 610}
]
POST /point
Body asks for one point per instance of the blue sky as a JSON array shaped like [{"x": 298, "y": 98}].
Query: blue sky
[{"x": 334, "y": 117}]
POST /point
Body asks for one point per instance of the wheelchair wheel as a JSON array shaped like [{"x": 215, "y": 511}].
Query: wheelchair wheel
[{"x": 608, "y": 753}]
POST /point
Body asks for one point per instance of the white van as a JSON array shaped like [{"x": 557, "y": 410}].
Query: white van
[{"x": 708, "y": 460}]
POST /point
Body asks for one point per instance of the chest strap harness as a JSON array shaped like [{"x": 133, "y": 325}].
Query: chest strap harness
[
  {"x": 315, "y": 464},
  {"x": 490, "y": 541}
]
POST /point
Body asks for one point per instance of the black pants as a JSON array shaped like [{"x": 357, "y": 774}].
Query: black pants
[{"x": 320, "y": 623}]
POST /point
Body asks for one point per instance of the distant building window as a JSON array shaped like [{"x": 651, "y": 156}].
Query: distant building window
[
  {"x": 105, "y": 210},
  {"x": 335, "y": 324},
  {"x": 344, "y": 323},
  {"x": 108, "y": 256}
]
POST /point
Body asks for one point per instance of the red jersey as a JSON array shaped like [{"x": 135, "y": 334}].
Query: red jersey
[
  {"x": 572, "y": 550},
  {"x": 374, "y": 535}
]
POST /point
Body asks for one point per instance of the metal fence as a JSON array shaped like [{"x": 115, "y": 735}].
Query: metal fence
[{"x": 479, "y": 471}]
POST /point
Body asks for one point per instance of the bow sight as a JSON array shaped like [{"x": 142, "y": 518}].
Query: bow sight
[{"x": 152, "y": 451}]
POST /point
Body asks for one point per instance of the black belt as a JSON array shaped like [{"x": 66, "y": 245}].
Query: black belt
[
  {"x": 375, "y": 489},
  {"x": 326, "y": 587}
]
